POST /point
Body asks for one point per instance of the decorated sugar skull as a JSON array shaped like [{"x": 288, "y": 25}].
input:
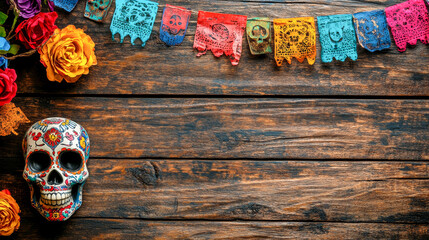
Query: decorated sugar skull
[{"x": 56, "y": 152}]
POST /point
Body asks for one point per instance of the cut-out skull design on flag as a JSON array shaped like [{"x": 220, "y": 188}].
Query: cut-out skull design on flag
[
  {"x": 409, "y": 22},
  {"x": 96, "y": 10},
  {"x": 174, "y": 24},
  {"x": 295, "y": 37},
  {"x": 220, "y": 33},
  {"x": 67, "y": 5},
  {"x": 337, "y": 37},
  {"x": 259, "y": 35},
  {"x": 134, "y": 18},
  {"x": 372, "y": 31}
]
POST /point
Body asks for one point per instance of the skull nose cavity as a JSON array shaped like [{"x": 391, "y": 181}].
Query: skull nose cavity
[{"x": 55, "y": 178}]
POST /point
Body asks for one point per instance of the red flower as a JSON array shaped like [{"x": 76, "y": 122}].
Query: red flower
[
  {"x": 36, "y": 30},
  {"x": 52, "y": 137},
  {"x": 7, "y": 85}
]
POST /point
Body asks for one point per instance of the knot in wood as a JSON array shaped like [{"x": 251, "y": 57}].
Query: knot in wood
[{"x": 148, "y": 174}]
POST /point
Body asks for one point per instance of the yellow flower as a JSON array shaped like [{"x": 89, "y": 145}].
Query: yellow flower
[
  {"x": 68, "y": 54},
  {"x": 9, "y": 218}
]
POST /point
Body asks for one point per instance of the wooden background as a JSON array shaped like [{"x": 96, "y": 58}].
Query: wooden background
[{"x": 194, "y": 148}]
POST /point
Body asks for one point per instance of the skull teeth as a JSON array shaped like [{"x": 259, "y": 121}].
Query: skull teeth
[{"x": 56, "y": 199}]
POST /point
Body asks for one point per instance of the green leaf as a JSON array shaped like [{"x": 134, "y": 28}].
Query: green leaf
[
  {"x": 14, "y": 48},
  {"x": 3, "y": 18},
  {"x": 2, "y": 32}
]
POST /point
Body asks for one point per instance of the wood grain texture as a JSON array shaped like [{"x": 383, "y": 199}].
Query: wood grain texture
[
  {"x": 240, "y": 127},
  {"x": 167, "y": 163},
  {"x": 158, "y": 69},
  {"x": 333, "y": 191},
  {"x": 137, "y": 229}
]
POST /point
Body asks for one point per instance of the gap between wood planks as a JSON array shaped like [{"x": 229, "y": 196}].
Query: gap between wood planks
[
  {"x": 252, "y": 159},
  {"x": 339, "y": 97},
  {"x": 237, "y": 220}
]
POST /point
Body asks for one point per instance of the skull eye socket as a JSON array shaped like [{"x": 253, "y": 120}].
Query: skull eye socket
[
  {"x": 70, "y": 161},
  {"x": 39, "y": 161}
]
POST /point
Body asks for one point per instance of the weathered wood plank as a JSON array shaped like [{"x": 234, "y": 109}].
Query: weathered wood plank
[
  {"x": 389, "y": 192},
  {"x": 136, "y": 229},
  {"x": 157, "y": 69},
  {"x": 240, "y": 127}
]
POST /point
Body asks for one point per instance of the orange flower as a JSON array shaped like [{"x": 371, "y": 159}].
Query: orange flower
[
  {"x": 68, "y": 54},
  {"x": 9, "y": 218}
]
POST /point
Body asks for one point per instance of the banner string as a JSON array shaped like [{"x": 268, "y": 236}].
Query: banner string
[{"x": 196, "y": 12}]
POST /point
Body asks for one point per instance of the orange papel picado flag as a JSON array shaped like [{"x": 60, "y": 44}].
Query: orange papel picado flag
[{"x": 295, "y": 37}]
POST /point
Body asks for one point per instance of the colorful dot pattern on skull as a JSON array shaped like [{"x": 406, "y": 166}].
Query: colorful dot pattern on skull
[
  {"x": 55, "y": 177},
  {"x": 295, "y": 37},
  {"x": 134, "y": 18},
  {"x": 409, "y": 22},
  {"x": 174, "y": 25},
  {"x": 259, "y": 35},
  {"x": 67, "y": 5},
  {"x": 96, "y": 10},
  {"x": 221, "y": 34},
  {"x": 337, "y": 37},
  {"x": 372, "y": 31}
]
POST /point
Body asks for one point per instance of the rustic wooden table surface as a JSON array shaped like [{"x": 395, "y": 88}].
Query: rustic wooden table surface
[{"x": 186, "y": 147}]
